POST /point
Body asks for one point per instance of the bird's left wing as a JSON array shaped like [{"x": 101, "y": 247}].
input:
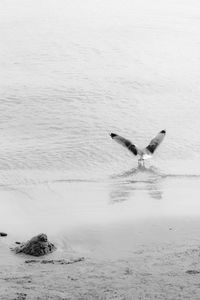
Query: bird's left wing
[{"x": 125, "y": 143}]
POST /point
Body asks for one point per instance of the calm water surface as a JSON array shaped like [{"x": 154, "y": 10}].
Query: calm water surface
[{"x": 71, "y": 73}]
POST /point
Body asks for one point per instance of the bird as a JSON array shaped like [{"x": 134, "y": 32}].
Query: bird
[{"x": 145, "y": 153}]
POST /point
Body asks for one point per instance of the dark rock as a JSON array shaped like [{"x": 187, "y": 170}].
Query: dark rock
[
  {"x": 192, "y": 272},
  {"x": 37, "y": 246},
  {"x": 3, "y": 234}
]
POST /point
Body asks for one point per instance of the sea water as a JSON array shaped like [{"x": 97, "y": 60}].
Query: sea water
[{"x": 72, "y": 72}]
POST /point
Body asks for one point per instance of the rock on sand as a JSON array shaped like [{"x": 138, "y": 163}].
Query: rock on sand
[{"x": 37, "y": 246}]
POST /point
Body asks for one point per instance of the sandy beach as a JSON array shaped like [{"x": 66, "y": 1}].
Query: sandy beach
[{"x": 164, "y": 271}]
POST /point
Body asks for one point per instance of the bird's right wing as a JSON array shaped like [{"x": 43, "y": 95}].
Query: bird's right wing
[
  {"x": 124, "y": 142},
  {"x": 155, "y": 142}
]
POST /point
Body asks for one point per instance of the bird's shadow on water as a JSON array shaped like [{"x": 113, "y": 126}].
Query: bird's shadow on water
[{"x": 141, "y": 178}]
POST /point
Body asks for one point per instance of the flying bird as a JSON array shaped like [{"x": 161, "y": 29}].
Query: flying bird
[{"x": 141, "y": 153}]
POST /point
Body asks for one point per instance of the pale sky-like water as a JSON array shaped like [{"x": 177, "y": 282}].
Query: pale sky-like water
[{"x": 72, "y": 72}]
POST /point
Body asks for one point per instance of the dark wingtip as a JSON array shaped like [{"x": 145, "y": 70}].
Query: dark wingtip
[
  {"x": 112, "y": 135},
  {"x": 163, "y": 131}
]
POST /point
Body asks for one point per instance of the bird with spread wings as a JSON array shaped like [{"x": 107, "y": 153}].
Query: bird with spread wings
[{"x": 145, "y": 153}]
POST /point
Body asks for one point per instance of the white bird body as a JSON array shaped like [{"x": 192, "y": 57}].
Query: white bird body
[{"x": 145, "y": 153}]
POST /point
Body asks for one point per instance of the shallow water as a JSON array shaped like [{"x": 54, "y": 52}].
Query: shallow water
[{"x": 71, "y": 73}]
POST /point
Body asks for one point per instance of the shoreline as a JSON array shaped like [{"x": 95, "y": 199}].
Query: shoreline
[{"x": 146, "y": 247}]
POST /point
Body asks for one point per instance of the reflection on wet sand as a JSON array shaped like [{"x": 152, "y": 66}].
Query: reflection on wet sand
[{"x": 143, "y": 178}]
